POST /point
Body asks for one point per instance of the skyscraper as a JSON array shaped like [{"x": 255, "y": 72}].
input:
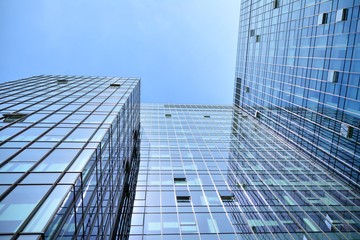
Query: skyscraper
[
  {"x": 204, "y": 176},
  {"x": 68, "y": 156},
  {"x": 183, "y": 172},
  {"x": 298, "y": 71},
  {"x": 281, "y": 163}
]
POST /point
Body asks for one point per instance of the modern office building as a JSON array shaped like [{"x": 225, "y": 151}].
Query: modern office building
[
  {"x": 68, "y": 157},
  {"x": 204, "y": 176},
  {"x": 298, "y": 71},
  {"x": 281, "y": 163}
]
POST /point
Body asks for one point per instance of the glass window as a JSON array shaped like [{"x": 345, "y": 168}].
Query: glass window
[
  {"x": 82, "y": 160},
  {"x": 55, "y": 118},
  {"x": 48, "y": 209},
  {"x": 41, "y": 178},
  {"x": 30, "y": 155},
  {"x": 57, "y": 161},
  {"x": 17, "y": 206},
  {"x": 30, "y": 134},
  {"x": 55, "y": 134},
  {"x": 206, "y": 224},
  {"x": 81, "y": 134},
  {"x": 152, "y": 224},
  {"x": 170, "y": 223},
  {"x": 95, "y": 119},
  {"x": 6, "y": 153},
  {"x": 9, "y": 178},
  {"x": 8, "y": 132}
]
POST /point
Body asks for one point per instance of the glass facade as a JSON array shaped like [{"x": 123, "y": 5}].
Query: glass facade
[
  {"x": 282, "y": 163},
  {"x": 298, "y": 71},
  {"x": 183, "y": 169},
  {"x": 68, "y": 156},
  {"x": 208, "y": 172}
]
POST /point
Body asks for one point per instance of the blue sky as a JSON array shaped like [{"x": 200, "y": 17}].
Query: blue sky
[{"x": 183, "y": 50}]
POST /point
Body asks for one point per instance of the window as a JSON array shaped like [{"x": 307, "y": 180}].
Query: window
[
  {"x": 182, "y": 196},
  {"x": 168, "y": 115},
  {"x": 341, "y": 14},
  {"x": 323, "y": 18},
  {"x": 252, "y": 32},
  {"x": 333, "y": 76},
  {"x": 62, "y": 81},
  {"x": 12, "y": 117},
  {"x": 179, "y": 178},
  {"x": 17, "y": 206},
  {"x": 258, "y": 38},
  {"x": 247, "y": 89},
  {"x": 346, "y": 130},
  {"x": 206, "y": 116},
  {"x": 115, "y": 85},
  {"x": 226, "y": 195},
  {"x": 276, "y": 3},
  {"x": 257, "y": 114}
]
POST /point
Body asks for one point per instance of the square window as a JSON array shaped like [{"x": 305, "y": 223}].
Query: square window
[
  {"x": 346, "y": 130},
  {"x": 341, "y": 14}
]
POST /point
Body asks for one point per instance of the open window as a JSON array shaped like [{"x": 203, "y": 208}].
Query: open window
[
  {"x": 341, "y": 14},
  {"x": 182, "y": 196},
  {"x": 62, "y": 81},
  {"x": 179, "y": 179},
  {"x": 346, "y": 130},
  {"x": 323, "y": 18},
  {"x": 333, "y": 76},
  {"x": 12, "y": 117},
  {"x": 115, "y": 85},
  {"x": 276, "y": 4},
  {"x": 226, "y": 195}
]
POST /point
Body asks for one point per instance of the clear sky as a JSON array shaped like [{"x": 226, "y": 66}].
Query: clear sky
[{"x": 183, "y": 50}]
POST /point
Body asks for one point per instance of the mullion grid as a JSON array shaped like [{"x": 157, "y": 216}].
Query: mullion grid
[{"x": 257, "y": 133}]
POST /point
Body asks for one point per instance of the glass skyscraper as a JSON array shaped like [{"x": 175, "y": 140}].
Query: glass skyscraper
[
  {"x": 281, "y": 163},
  {"x": 298, "y": 71},
  {"x": 69, "y": 157},
  {"x": 183, "y": 172},
  {"x": 206, "y": 175}
]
